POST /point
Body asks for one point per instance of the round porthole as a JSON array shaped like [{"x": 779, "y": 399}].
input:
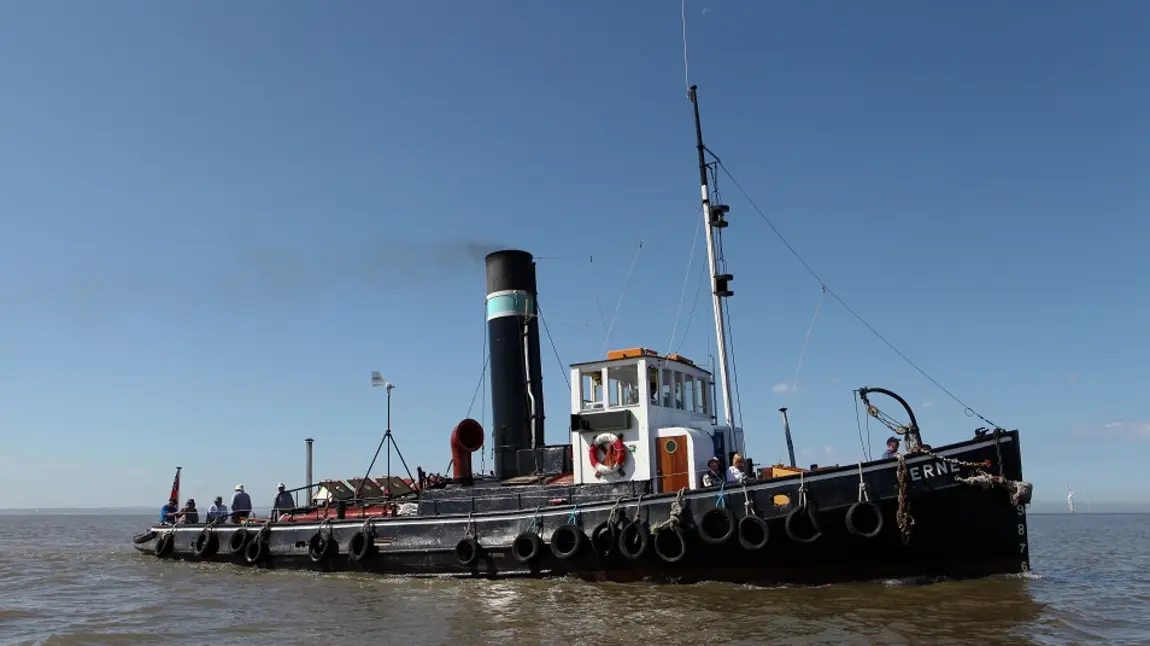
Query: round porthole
[{"x": 671, "y": 446}]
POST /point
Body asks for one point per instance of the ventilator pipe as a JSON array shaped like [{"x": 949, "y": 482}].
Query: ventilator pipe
[{"x": 466, "y": 439}]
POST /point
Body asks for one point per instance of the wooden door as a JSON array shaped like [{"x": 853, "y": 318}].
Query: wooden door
[{"x": 674, "y": 468}]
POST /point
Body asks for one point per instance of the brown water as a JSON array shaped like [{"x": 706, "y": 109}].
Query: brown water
[{"x": 76, "y": 580}]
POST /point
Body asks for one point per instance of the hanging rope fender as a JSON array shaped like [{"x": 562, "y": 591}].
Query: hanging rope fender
[
  {"x": 323, "y": 544},
  {"x": 864, "y": 503},
  {"x": 614, "y": 454},
  {"x": 806, "y": 508},
  {"x": 362, "y": 543},
  {"x": 717, "y": 525},
  {"x": 208, "y": 542},
  {"x": 753, "y": 532},
  {"x": 257, "y": 548},
  {"x": 604, "y": 538}
]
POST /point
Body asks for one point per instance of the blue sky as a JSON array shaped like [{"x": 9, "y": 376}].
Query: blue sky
[{"x": 216, "y": 219}]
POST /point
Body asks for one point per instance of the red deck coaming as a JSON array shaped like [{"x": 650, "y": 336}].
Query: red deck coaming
[{"x": 384, "y": 510}]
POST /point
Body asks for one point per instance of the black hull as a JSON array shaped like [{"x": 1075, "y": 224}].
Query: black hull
[{"x": 960, "y": 530}]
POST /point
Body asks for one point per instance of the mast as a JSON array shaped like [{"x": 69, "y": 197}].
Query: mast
[{"x": 713, "y": 219}]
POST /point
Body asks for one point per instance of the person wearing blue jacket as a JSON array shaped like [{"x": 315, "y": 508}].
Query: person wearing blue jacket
[{"x": 168, "y": 512}]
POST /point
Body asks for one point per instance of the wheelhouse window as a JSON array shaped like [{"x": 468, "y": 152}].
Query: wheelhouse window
[
  {"x": 689, "y": 396},
  {"x": 592, "y": 389},
  {"x": 653, "y": 385},
  {"x": 702, "y": 396},
  {"x": 623, "y": 385},
  {"x": 678, "y": 390},
  {"x": 665, "y": 386}
]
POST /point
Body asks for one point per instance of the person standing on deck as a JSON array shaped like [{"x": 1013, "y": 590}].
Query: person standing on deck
[
  {"x": 284, "y": 502},
  {"x": 891, "y": 448},
  {"x": 713, "y": 477},
  {"x": 241, "y": 504}
]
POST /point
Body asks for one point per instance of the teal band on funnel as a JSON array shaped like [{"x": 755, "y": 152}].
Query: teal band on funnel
[{"x": 509, "y": 303}]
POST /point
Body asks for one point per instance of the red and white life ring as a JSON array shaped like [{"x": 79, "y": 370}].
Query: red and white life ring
[{"x": 614, "y": 454}]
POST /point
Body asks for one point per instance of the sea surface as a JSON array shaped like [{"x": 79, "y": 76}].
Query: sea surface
[{"x": 77, "y": 580}]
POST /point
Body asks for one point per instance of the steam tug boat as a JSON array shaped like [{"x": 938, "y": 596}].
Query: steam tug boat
[{"x": 627, "y": 498}]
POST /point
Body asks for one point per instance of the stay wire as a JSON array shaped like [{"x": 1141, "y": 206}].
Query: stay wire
[
  {"x": 807, "y": 338},
  {"x": 966, "y": 408},
  {"x": 554, "y": 348},
  {"x": 686, "y": 278},
  {"x": 622, "y": 294}
]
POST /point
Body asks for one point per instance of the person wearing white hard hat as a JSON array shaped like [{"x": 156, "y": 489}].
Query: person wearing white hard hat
[
  {"x": 284, "y": 501},
  {"x": 241, "y": 504}
]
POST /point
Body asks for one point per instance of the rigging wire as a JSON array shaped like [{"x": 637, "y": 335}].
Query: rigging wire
[
  {"x": 735, "y": 377},
  {"x": 686, "y": 279},
  {"x": 482, "y": 375},
  {"x": 967, "y": 409},
  {"x": 694, "y": 308},
  {"x": 807, "y": 339},
  {"x": 554, "y": 348},
  {"x": 858, "y": 424},
  {"x": 622, "y": 293}
]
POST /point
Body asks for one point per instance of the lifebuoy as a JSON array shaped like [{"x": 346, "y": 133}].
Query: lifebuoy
[
  {"x": 526, "y": 547},
  {"x": 207, "y": 543},
  {"x": 670, "y": 545},
  {"x": 812, "y": 513},
  {"x": 614, "y": 454},
  {"x": 852, "y": 527},
  {"x": 754, "y": 534},
  {"x": 567, "y": 541},
  {"x": 717, "y": 526},
  {"x": 360, "y": 546},
  {"x": 164, "y": 545},
  {"x": 634, "y": 539},
  {"x": 320, "y": 548},
  {"x": 467, "y": 551}
]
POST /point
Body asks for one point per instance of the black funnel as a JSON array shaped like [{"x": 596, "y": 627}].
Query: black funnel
[{"x": 515, "y": 361}]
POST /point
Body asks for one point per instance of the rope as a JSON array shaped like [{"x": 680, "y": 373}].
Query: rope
[
  {"x": 807, "y": 338},
  {"x": 536, "y": 524},
  {"x": 638, "y": 507},
  {"x": 802, "y": 490},
  {"x": 622, "y": 293},
  {"x": 575, "y": 517},
  {"x": 675, "y": 516},
  {"x": 613, "y": 517},
  {"x": 902, "y": 516},
  {"x": 748, "y": 504},
  {"x": 721, "y": 497},
  {"x": 967, "y": 409},
  {"x": 863, "y": 495},
  {"x": 469, "y": 530}
]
